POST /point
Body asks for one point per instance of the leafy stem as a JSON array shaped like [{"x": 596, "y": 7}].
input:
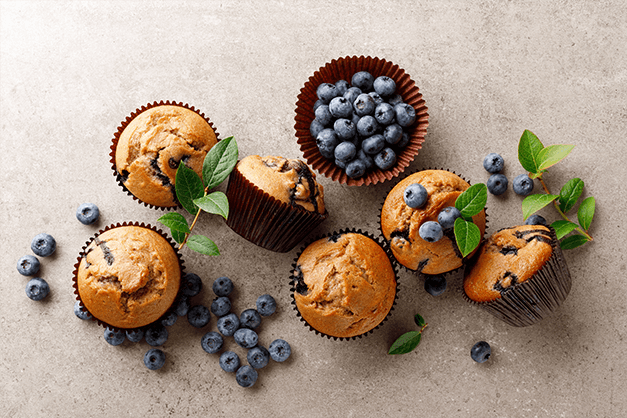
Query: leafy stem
[
  {"x": 191, "y": 228},
  {"x": 410, "y": 340}
]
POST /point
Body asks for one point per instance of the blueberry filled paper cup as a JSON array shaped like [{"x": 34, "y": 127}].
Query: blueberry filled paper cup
[
  {"x": 343, "y": 69},
  {"x": 344, "y": 285},
  {"x": 160, "y": 135}
]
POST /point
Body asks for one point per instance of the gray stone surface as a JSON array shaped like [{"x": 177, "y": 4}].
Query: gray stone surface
[{"x": 71, "y": 71}]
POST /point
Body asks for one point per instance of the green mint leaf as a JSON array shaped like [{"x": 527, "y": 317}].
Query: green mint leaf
[
  {"x": 570, "y": 193},
  {"x": 419, "y": 320},
  {"x": 188, "y": 187},
  {"x": 529, "y": 147},
  {"x": 573, "y": 241},
  {"x": 219, "y": 162},
  {"x": 552, "y": 155},
  {"x": 533, "y": 203},
  {"x": 203, "y": 245},
  {"x": 473, "y": 200},
  {"x": 563, "y": 228},
  {"x": 215, "y": 202},
  {"x": 467, "y": 235},
  {"x": 406, "y": 343},
  {"x": 175, "y": 221},
  {"x": 586, "y": 213},
  {"x": 178, "y": 235}
]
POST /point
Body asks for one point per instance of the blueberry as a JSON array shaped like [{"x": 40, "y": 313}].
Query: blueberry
[
  {"x": 258, "y": 357},
  {"x": 384, "y": 86},
  {"x": 404, "y": 140},
  {"x": 212, "y": 342},
  {"x": 367, "y": 126},
  {"x": 326, "y": 92},
  {"x": 246, "y": 337},
  {"x": 435, "y": 285},
  {"x": 87, "y": 213},
  {"x": 395, "y": 99},
  {"x": 430, "y": 231},
  {"x": 135, "y": 335},
  {"x": 345, "y": 129},
  {"x": 522, "y": 185},
  {"x": 228, "y": 324},
  {"x": 373, "y": 144},
  {"x": 198, "y": 316},
  {"x": 317, "y": 104},
  {"x": 342, "y": 86},
  {"x": 365, "y": 158},
  {"x": 220, "y": 306},
  {"x": 246, "y": 376},
  {"x": 156, "y": 335},
  {"x": 415, "y": 195},
  {"x": 181, "y": 305},
  {"x": 356, "y": 169},
  {"x": 114, "y": 337},
  {"x": 352, "y": 94},
  {"x": 341, "y": 164},
  {"x": 191, "y": 285},
  {"x": 279, "y": 350},
  {"x": 355, "y": 119},
  {"x": 405, "y": 114},
  {"x": 480, "y": 352},
  {"x": 43, "y": 245},
  {"x": 229, "y": 361},
  {"x": 154, "y": 359},
  {"x": 364, "y": 105},
  {"x": 340, "y": 107},
  {"x": 266, "y": 305},
  {"x": 493, "y": 163},
  {"x": 222, "y": 286},
  {"x": 345, "y": 151},
  {"x": 28, "y": 265},
  {"x": 363, "y": 80},
  {"x": 384, "y": 114},
  {"x": 315, "y": 128},
  {"x": 393, "y": 133},
  {"x": 250, "y": 318},
  {"x": 497, "y": 184},
  {"x": 323, "y": 115},
  {"x": 37, "y": 288},
  {"x": 375, "y": 96},
  {"x": 169, "y": 319},
  {"x": 447, "y": 216},
  {"x": 80, "y": 311},
  {"x": 385, "y": 159},
  {"x": 327, "y": 140},
  {"x": 536, "y": 220}
]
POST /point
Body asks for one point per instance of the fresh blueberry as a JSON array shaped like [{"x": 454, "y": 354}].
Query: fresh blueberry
[
  {"x": 114, "y": 337},
  {"x": 250, "y": 318},
  {"x": 37, "y": 288},
  {"x": 405, "y": 114},
  {"x": 363, "y": 80},
  {"x": 317, "y": 104},
  {"x": 191, "y": 285},
  {"x": 373, "y": 144},
  {"x": 447, "y": 216},
  {"x": 522, "y": 185},
  {"x": 156, "y": 335},
  {"x": 266, "y": 305},
  {"x": 415, "y": 195},
  {"x": 323, "y": 115},
  {"x": 43, "y": 245},
  {"x": 220, "y": 306},
  {"x": 384, "y": 113},
  {"x": 364, "y": 105},
  {"x": 480, "y": 352},
  {"x": 493, "y": 163},
  {"x": 279, "y": 350},
  {"x": 315, "y": 128},
  {"x": 169, "y": 319},
  {"x": 367, "y": 126},
  {"x": 430, "y": 231},
  {"x": 355, "y": 119},
  {"x": 497, "y": 184},
  {"x": 395, "y": 99},
  {"x": 327, "y": 140},
  {"x": 326, "y": 92},
  {"x": 365, "y": 158},
  {"x": 198, "y": 316},
  {"x": 222, "y": 286},
  {"x": 212, "y": 342},
  {"x": 341, "y": 164},
  {"x": 385, "y": 159},
  {"x": 352, "y": 94},
  {"x": 181, "y": 305},
  {"x": 345, "y": 151},
  {"x": 384, "y": 85},
  {"x": 258, "y": 357},
  {"x": 345, "y": 129},
  {"x": 404, "y": 140},
  {"x": 536, "y": 220},
  {"x": 154, "y": 359},
  {"x": 228, "y": 324},
  {"x": 246, "y": 337},
  {"x": 393, "y": 133},
  {"x": 229, "y": 361},
  {"x": 342, "y": 86},
  {"x": 356, "y": 168},
  {"x": 87, "y": 213},
  {"x": 80, "y": 311},
  {"x": 246, "y": 376},
  {"x": 135, "y": 335},
  {"x": 375, "y": 96},
  {"x": 435, "y": 285},
  {"x": 340, "y": 107},
  {"x": 28, "y": 265}
]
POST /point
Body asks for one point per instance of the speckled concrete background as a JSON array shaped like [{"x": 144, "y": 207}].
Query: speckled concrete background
[{"x": 71, "y": 71}]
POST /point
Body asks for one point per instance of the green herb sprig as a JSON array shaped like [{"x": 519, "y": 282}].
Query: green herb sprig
[
  {"x": 193, "y": 194},
  {"x": 470, "y": 203},
  {"x": 410, "y": 340},
  {"x": 536, "y": 159}
]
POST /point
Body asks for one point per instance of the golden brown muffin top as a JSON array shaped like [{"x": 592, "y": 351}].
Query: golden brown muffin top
[
  {"x": 289, "y": 180},
  {"x": 153, "y": 144},
  {"x": 508, "y": 257},
  {"x": 400, "y": 223},
  {"x": 129, "y": 276},
  {"x": 345, "y": 285}
]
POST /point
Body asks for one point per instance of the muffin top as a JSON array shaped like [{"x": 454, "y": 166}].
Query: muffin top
[
  {"x": 128, "y": 277},
  {"x": 287, "y": 180},
  {"x": 400, "y": 223},
  {"x": 508, "y": 257},
  {"x": 345, "y": 285},
  {"x": 153, "y": 144}
]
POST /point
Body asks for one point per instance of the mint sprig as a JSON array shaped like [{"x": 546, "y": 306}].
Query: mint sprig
[
  {"x": 470, "y": 203},
  {"x": 409, "y": 340},
  {"x": 193, "y": 194}
]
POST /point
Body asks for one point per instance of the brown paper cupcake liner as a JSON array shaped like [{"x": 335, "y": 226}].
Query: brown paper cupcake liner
[
  {"x": 344, "y": 68},
  {"x": 293, "y": 282},
  {"x": 82, "y": 254},
  {"x": 124, "y": 124},
  {"x": 264, "y": 220},
  {"x": 529, "y": 302}
]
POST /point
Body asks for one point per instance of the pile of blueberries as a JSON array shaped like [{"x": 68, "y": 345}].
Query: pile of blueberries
[{"x": 361, "y": 125}]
